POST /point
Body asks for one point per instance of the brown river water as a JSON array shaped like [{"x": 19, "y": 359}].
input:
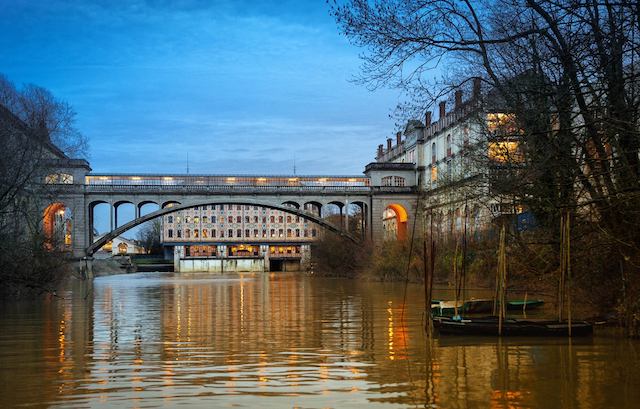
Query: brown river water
[{"x": 277, "y": 340}]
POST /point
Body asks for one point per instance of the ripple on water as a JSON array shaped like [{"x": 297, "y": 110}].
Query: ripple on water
[{"x": 285, "y": 340}]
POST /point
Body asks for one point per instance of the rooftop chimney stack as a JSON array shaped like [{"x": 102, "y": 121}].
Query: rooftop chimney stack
[
  {"x": 443, "y": 109},
  {"x": 427, "y": 119},
  {"x": 458, "y": 98},
  {"x": 388, "y": 144},
  {"x": 398, "y": 138},
  {"x": 476, "y": 88},
  {"x": 380, "y": 151}
]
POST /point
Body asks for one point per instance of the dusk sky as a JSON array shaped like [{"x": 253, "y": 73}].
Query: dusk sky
[{"x": 239, "y": 86}]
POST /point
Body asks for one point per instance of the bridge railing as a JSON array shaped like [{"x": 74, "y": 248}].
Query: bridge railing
[{"x": 223, "y": 188}]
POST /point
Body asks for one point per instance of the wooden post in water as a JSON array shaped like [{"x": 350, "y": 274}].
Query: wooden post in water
[
  {"x": 456, "y": 281},
  {"x": 568, "y": 267},
  {"x": 428, "y": 277},
  {"x": 502, "y": 281},
  {"x": 562, "y": 269}
]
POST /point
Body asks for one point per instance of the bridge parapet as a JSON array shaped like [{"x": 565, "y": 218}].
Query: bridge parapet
[{"x": 225, "y": 189}]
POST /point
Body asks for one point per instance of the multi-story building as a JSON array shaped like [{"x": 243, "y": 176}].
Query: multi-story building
[
  {"x": 234, "y": 237},
  {"x": 450, "y": 156}
]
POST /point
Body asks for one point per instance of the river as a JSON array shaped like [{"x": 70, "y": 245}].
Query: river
[{"x": 277, "y": 340}]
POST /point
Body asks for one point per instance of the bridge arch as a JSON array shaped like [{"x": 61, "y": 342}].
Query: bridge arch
[
  {"x": 163, "y": 211},
  {"x": 146, "y": 202},
  {"x": 57, "y": 222},
  {"x": 170, "y": 203},
  {"x": 313, "y": 207},
  {"x": 395, "y": 220},
  {"x": 291, "y": 203}
]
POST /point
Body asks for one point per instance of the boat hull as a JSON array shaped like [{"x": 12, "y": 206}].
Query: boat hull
[{"x": 511, "y": 327}]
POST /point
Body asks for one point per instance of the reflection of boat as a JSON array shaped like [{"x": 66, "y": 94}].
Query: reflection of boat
[
  {"x": 511, "y": 327},
  {"x": 479, "y": 306}
]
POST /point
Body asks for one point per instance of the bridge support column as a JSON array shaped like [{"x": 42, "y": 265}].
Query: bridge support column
[
  {"x": 111, "y": 216},
  {"x": 265, "y": 252},
  {"x": 86, "y": 268},
  {"x": 178, "y": 251},
  {"x": 346, "y": 215}
]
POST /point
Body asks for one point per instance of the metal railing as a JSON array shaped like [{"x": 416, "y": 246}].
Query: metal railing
[{"x": 223, "y": 188}]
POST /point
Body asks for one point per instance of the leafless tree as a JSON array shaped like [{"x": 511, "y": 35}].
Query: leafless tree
[
  {"x": 566, "y": 70},
  {"x": 149, "y": 236},
  {"x": 29, "y": 118}
]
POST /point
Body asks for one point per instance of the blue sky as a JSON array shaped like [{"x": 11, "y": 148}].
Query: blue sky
[{"x": 241, "y": 86}]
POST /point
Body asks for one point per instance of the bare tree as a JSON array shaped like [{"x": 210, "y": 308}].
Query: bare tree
[
  {"x": 566, "y": 71},
  {"x": 149, "y": 236},
  {"x": 30, "y": 260}
]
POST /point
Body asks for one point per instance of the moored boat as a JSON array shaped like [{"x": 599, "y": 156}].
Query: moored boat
[
  {"x": 511, "y": 327},
  {"x": 513, "y": 305},
  {"x": 480, "y": 306}
]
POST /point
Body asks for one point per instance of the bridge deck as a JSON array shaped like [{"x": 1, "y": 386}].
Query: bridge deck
[{"x": 226, "y": 180}]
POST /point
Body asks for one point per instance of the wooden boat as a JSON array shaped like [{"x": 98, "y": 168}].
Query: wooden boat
[
  {"x": 518, "y": 305},
  {"x": 511, "y": 327},
  {"x": 479, "y": 306},
  {"x": 473, "y": 306}
]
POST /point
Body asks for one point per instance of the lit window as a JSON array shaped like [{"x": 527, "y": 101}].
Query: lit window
[
  {"x": 205, "y": 233},
  {"x": 434, "y": 173},
  {"x": 506, "y": 151},
  {"x": 196, "y": 233},
  {"x": 196, "y": 219}
]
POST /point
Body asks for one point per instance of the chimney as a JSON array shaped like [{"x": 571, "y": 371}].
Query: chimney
[
  {"x": 388, "y": 144},
  {"x": 398, "y": 138},
  {"x": 443, "y": 109},
  {"x": 476, "y": 88},
  {"x": 458, "y": 98},
  {"x": 427, "y": 119},
  {"x": 380, "y": 151}
]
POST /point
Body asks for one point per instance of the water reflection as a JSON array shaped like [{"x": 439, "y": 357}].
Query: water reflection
[{"x": 274, "y": 340}]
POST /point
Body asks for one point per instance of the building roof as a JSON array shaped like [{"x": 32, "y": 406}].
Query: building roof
[{"x": 10, "y": 120}]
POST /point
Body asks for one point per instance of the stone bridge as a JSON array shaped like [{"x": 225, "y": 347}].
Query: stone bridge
[{"x": 383, "y": 186}]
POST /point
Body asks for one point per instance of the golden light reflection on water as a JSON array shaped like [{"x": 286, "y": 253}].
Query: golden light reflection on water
[{"x": 279, "y": 340}]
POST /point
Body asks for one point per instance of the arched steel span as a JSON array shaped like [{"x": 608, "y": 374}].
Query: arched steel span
[{"x": 161, "y": 212}]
